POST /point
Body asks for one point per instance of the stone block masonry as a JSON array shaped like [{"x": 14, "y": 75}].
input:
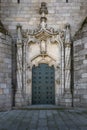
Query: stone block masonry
[
  {"x": 60, "y": 13},
  {"x": 80, "y": 65},
  {"x": 26, "y": 13},
  {"x": 5, "y": 70}
]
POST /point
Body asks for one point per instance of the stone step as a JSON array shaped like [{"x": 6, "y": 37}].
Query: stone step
[{"x": 41, "y": 107}]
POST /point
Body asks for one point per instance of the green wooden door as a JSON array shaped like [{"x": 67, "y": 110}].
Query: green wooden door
[{"x": 43, "y": 84}]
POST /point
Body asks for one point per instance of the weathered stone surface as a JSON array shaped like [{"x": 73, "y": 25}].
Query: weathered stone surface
[
  {"x": 69, "y": 119},
  {"x": 73, "y": 12},
  {"x": 27, "y": 14},
  {"x": 80, "y": 64},
  {"x": 1, "y": 91},
  {"x": 5, "y": 71}
]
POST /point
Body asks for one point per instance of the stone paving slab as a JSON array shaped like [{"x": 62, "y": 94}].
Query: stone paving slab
[{"x": 43, "y": 120}]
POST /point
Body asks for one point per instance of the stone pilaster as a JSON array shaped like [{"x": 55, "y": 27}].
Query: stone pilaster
[{"x": 5, "y": 69}]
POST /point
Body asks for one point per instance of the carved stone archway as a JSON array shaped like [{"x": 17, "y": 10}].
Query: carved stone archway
[{"x": 43, "y": 45}]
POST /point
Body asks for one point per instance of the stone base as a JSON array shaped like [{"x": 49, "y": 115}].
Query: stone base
[
  {"x": 5, "y": 107},
  {"x": 20, "y": 100},
  {"x": 66, "y": 99}
]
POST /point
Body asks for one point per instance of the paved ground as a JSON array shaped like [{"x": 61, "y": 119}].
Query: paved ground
[{"x": 59, "y": 119}]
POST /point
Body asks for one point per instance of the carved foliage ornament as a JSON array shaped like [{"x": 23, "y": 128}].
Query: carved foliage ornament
[{"x": 41, "y": 34}]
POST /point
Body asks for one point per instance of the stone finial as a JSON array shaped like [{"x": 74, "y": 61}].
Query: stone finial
[
  {"x": 43, "y": 8},
  {"x": 19, "y": 26},
  {"x": 43, "y": 11}
]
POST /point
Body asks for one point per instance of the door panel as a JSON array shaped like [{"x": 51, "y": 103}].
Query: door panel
[{"x": 43, "y": 84}]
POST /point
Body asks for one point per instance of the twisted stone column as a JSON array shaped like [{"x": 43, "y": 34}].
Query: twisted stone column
[
  {"x": 24, "y": 69},
  {"x": 67, "y": 59},
  {"x": 67, "y": 67},
  {"x": 27, "y": 76},
  {"x": 18, "y": 98}
]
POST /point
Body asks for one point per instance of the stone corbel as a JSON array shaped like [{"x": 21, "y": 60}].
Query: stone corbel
[
  {"x": 54, "y": 39},
  {"x": 31, "y": 40}
]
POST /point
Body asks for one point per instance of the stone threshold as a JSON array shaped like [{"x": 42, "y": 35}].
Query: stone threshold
[{"x": 42, "y": 107}]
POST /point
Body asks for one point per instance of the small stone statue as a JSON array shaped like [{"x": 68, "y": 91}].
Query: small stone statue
[
  {"x": 43, "y": 46},
  {"x": 67, "y": 34},
  {"x": 19, "y": 38}
]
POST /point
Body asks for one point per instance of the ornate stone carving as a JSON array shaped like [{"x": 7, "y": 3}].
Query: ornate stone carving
[
  {"x": 19, "y": 65},
  {"x": 67, "y": 34},
  {"x": 43, "y": 8},
  {"x": 67, "y": 58},
  {"x": 19, "y": 37},
  {"x": 43, "y": 38},
  {"x": 43, "y": 47}
]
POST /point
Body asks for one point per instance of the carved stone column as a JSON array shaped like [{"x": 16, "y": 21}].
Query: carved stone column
[
  {"x": 61, "y": 40},
  {"x": 67, "y": 59},
  {"x": 28, "y": 75},
  {"x": 24, "y": 70},
  {"x": 18, "y": 97}
]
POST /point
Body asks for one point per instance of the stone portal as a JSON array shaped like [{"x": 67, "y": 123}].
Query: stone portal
[{"x": 40, "y": 48}]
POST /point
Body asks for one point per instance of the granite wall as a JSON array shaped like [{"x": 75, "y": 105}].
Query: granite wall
[
  {"x": 5, "y": 69},
  {"x": 80, "y": 66},
  {"x": 27, "y": 14}
]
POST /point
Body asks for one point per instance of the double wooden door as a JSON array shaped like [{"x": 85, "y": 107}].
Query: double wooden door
[{"x": 43, "y": 84}]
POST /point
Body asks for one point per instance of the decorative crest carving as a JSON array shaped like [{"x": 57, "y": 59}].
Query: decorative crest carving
[
  {"x": 36, "y": 46},
  {"x": 43, "y": 32}
]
